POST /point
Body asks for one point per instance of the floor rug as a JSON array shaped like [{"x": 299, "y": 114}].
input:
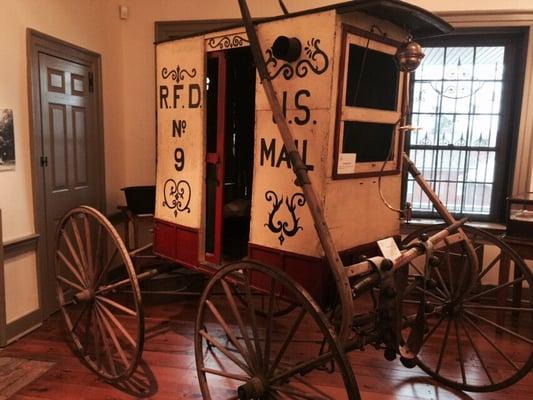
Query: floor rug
[{"x": 15, "y": 373}]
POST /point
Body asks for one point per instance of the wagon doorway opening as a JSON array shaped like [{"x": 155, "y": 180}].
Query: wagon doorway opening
[{"x": 230, "y": 148}]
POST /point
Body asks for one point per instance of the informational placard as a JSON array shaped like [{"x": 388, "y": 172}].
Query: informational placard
[
  {"x": 389, "y": 248},
  {"x": 346, "y": 164}
]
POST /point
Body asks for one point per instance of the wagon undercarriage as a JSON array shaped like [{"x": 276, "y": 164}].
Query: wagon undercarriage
[{"x": 415, "y": 313}]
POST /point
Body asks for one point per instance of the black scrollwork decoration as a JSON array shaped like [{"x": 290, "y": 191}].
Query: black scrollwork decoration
[
  {"x": 277, "y": 227},
  {"x": 317, "y": 61},
  {"x": 178, "y": 74},
  {"x": 286, "y": 69},
  {"x": 284, "y": 228},
  {"x": 227, "y": 42},
  {"x": 177, "y": 196}
]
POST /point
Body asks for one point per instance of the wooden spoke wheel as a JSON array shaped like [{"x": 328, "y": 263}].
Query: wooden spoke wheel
[
  {"x": 481, "y": 340},
  {"x": 243, "y": 354},
  {"x": 99, "y": 294}
]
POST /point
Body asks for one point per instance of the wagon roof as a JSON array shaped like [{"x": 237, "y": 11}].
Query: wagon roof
[{"x": 421, "y": 23}]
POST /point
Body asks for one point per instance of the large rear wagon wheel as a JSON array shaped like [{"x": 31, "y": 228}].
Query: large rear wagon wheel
[
  {"x": 243, "y": 354},
  {"x": 99, "y": 294},
  {"x": 481, "y": 340}
]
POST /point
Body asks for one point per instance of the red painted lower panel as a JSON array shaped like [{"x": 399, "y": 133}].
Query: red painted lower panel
[
  {"x": 312, "y": 273},
  {"x": 176, "y": 242},
  {"x": 181, "y": 244},
  {"x": 187, "y": 246},
  {"x": 165, "y": 239}
]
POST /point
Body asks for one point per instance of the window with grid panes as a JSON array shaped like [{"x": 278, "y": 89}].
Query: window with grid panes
[{"x": 464, "y": 97}]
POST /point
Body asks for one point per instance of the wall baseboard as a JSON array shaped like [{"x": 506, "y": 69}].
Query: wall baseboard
[
  {"x": 22, "y": 326},
  {"x": 9, "y": 332}
]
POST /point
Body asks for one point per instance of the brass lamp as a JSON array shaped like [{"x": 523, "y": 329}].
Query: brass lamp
[{"x": 409, "y": 56}]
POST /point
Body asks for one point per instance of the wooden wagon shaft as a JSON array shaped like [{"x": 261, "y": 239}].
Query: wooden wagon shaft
[
  {"x": 302, "y": 177},
  {"x": 438, "y": 238},
  {"x": 124, "y": 282},
  {"x": 406, "y": 256},
  {"x": 446, "y": 216},
  {"x": 134, "y": 253}
]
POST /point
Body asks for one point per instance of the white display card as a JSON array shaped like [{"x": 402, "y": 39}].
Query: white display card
[
  {"x": 388, "y": 248},
  {"x": 346, "y": 164}
]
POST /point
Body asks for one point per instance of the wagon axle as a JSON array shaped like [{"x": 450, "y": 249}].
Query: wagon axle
[
  {"x": 253, "y": 389},
  {"x": 85, "y": 295}
]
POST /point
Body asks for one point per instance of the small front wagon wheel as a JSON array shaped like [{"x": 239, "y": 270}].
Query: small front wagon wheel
[
  {"x": 99, "y": 294},
  {"x": 243, "y": 354}
]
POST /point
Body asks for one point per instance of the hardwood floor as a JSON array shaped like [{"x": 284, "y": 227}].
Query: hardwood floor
[{"x": 168, "y": 368}]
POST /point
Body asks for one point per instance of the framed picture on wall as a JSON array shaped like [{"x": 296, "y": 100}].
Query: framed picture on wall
[{"x": 7, "y": 140}]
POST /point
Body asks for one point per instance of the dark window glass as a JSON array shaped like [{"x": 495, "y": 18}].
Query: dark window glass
[
  {"x": 372, "y": 79},
  {"x": 370, "y": 141}
]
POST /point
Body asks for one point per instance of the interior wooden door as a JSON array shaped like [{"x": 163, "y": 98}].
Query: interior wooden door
[
  {"x": 215, "y": 132},
  {"x": 70, "y": 149}
]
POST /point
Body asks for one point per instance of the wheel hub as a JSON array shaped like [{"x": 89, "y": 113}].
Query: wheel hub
[
  {"x": 253, "y": 389},
  {"x": 85, "y": 295},
  {"x": 453, "y": 308}
]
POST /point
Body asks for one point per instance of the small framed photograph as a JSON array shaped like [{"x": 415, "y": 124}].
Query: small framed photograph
[{"x": 7, "y": 140}]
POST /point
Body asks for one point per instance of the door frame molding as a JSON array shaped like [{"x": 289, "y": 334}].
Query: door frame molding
[{"x": 38, "y": 42}]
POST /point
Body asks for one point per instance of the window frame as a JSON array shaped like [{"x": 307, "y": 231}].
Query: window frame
[
  {"x": 354, "y": 35},
  {"x": 515, "y": 42}
]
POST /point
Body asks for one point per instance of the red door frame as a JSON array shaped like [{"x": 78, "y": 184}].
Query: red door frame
[{"x": 217, "y": 158}]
